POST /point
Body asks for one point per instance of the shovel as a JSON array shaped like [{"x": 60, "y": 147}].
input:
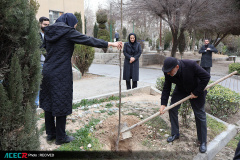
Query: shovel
[{"x": 125, "y": 131}]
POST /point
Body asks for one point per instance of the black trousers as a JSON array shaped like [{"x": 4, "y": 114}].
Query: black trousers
[
  {"x": 199, "y": 112},
  {"x": 134, "y": 84},
  {"x": 208, "y": 69},
  {"x": 237, "y": 152},
  {"x": 57, "y": 129}
]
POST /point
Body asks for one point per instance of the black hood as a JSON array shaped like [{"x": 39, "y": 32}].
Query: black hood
[
  {"x": 134, "y": 36},
  {"x": 56, "y": 31}
]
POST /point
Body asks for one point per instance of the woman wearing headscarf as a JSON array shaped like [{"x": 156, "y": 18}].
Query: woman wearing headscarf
[
  {"x": 132, "y": 51},
  {"x": 57, "y": 84}
]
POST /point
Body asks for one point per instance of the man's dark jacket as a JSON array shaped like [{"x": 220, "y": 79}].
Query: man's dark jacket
[
  {"x": 206, "y": 60},
  {"x": 193, "y": 77},
  {"x": 57, "y": 85}
]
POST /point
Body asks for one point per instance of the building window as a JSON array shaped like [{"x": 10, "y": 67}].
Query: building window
[{"x": 53, "y": 16}]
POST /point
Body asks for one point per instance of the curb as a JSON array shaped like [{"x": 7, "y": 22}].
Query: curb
[
  {"x": 219, "y": 142},
  {"x": 146, "y": 89}
]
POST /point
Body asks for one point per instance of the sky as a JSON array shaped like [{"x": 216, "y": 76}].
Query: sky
[{"x": 93, "y": 4}]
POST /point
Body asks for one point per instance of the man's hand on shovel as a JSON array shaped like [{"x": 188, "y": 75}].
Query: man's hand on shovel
[
  {"x": 163, "y": 106},
  {"x": 161, "y": 109},
  {"x": 193, "y": 96}
]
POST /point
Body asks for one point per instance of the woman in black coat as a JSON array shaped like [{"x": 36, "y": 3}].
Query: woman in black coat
[
  {"x": 57, "y": 84},
  {"x": 132, "y": 51}
]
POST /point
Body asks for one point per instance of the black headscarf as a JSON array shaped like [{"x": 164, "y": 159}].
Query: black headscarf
[
  {"x": 68, "y": 18},
  {"x": 134, "y": 44}
]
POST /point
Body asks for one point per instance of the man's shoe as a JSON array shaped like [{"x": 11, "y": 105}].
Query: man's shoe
[
  {"x": 203, "y": 147},
  {"x": 173, "y": 137},
  {"x": 67, "y": 139},
  {"x": 51, "y": 137}
]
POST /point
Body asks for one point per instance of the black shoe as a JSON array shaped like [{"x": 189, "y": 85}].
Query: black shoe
[
  {"x": 67, "y": 139},
  {"x": 173, "y": 137},
  {"x": 51, "y": 137},
  {"x": 203, "y": 147}
]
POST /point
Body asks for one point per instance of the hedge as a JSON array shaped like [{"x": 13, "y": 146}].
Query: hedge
[
  {"x": 222, "y": 101},
  {"x": 234, "y": 67}
]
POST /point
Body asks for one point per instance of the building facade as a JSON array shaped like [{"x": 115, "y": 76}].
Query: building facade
[{"x": 55, "y": 8}]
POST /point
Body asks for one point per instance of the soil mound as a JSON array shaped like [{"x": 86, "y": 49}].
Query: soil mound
[{"x": 107, "y": 132}]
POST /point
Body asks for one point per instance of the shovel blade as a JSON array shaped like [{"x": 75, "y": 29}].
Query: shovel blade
[{"x": 125, "y": 135}]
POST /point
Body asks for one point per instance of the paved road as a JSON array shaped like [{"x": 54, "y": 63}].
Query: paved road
[{"x": 150, "y": 76}]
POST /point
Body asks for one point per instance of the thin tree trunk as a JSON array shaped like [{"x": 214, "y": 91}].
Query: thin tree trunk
[
  {"x": 120, "y": 89},
  {"x": 175, "y": 45},
  {"x": 193, "y": 41}
]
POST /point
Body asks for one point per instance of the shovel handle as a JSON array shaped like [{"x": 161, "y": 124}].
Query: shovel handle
[{"x": 177, "y": 103}]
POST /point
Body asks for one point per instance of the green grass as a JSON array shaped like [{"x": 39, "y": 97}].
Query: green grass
[
  {"x": 41, "y": 115},
  {"x": 117, "y": 105},
  {"x": 83, "y": 137},
  {"x": 109, "y": 105},
  {"x": 147, "y": 143},
  {"x": 42, "y": 129},
  {"x": 234, "y": 142},
  {"x": 111, "y": 113},
  {"x": 215, "y": 126},
  {"x": 103, "y": 111},
  {"x": 86, "y": 102},
  {"x": 158, "y": 123},
  {"x": 134, "y": 114}
]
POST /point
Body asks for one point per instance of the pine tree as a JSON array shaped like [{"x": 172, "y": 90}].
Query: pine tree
[
  {"x": 95, "y": 30},
  {"x": 85, "y": 24},
  {"x": 83, "y": 55},
  {"x": 19, "y": 74},
  {"x": 79, "y": 18},
  {"x": 124, "y": 32}
]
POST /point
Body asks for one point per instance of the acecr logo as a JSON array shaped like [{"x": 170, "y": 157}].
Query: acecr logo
[{"x": 16, "y": 155}]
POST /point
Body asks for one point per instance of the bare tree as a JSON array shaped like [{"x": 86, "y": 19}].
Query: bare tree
[
  {"x": 181, "y": 15},
  {"x": 91, "y": 19}
]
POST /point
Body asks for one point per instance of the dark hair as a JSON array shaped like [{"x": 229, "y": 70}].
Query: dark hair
[
  {"x": 41, "y": 19},
  {"x": 206, "y": 39}
]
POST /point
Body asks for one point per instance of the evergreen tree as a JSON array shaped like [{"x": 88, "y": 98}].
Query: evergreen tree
[
  {"x": 95, "y": 30},
  {"x": 79, "y": 24},
  {"x": 85, "y": 24},
  {"x": 102, "y": 32},
  {"x": 83, "y": 55},
  {"x": 124, "y": 32},
  {"x": 19, "y": 74}
]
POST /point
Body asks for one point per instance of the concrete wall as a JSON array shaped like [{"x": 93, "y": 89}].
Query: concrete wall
[
  {"x": 113, "y": 58},
  {"x": 43, "y": 9}
]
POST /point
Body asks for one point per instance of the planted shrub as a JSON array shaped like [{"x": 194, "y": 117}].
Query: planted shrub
[
  {"x": 82, "y": 55},
  {"x": 160, "y": 84},
  {"x": 234, "y": 67},
  {"x": 222, "y": 101}
]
